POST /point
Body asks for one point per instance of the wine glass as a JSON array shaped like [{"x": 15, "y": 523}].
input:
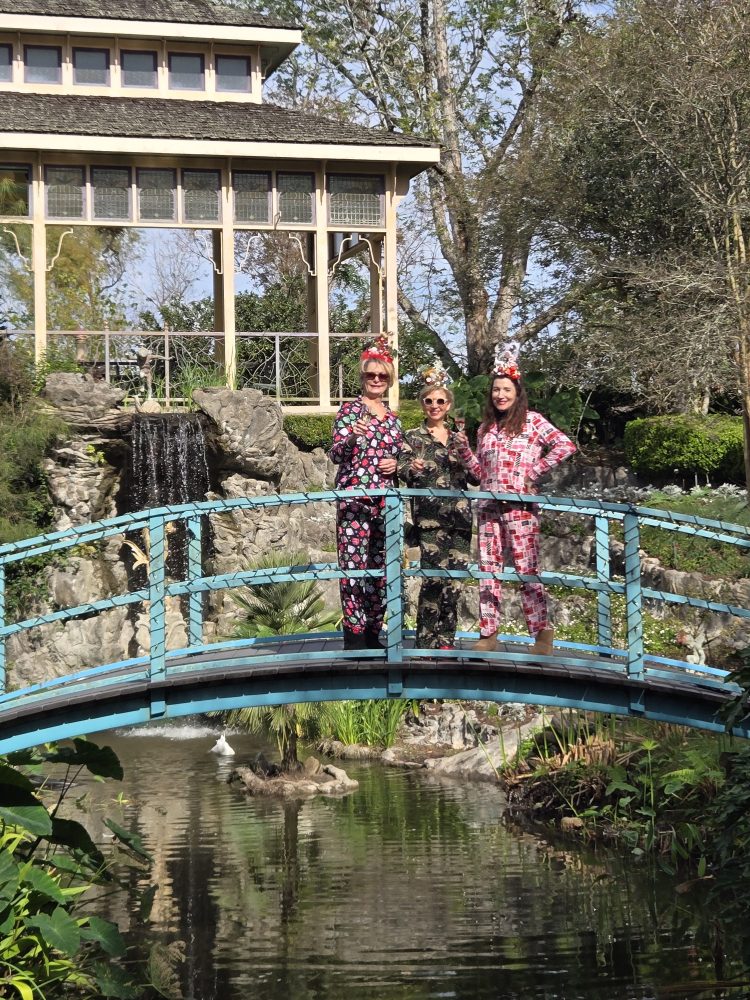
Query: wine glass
[
  {"x": 364, "y": 418},
  {"x": 460, "y": 422}
]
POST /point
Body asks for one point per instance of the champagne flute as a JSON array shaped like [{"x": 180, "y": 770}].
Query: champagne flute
[
  {"x": 364, "y": 418},
  {"x": 460, "y": 421}
]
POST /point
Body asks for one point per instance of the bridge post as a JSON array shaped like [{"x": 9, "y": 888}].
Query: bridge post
[
  {"x": 633, "y": 595},
  {"x": 2, "y": 625},
  {"x": 195, "y": 565},
  {"x": 393, "y": 580},
  {"x": 157, "y": 571},
  {"x": 603, "y": 598}
]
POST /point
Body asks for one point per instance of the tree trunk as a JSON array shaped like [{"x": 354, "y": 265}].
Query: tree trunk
[
  {"x": 744, "y": 358},
  {"x": 289, "y": 759}
]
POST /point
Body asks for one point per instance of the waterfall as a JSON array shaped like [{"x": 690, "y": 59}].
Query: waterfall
[{"x": 168, "y": 463}]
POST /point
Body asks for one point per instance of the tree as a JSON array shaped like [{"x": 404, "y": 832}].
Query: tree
[
  {"x": 468, "y": 75},
  {"x": 664, "y": 103}
]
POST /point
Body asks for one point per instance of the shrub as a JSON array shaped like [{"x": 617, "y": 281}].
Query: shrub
[
  {"x": 686, "y": 445},
  {"x": 310, "y": 430},
  {"x": 315, "y": 430}
]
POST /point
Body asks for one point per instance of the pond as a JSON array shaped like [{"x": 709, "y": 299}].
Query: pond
[{"x": 412, "y": 887}]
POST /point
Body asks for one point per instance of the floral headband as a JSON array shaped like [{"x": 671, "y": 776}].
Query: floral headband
[
  {"x": 435, "y": 376},
  {"x": 506, "y": 364},
  {"x": 378, "y": 351}
]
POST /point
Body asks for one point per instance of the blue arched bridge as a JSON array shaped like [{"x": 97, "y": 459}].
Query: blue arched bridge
[{"x": 614, "y": 674}]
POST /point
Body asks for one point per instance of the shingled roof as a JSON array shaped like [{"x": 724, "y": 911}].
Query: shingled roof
[
  {"x": 155, "y": 118},
  {"x": 178, "y": 11}
]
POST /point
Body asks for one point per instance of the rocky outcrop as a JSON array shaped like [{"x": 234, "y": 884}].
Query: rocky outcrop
[
  {"x": 313, "y": 780},
  {"x": 86, "y": 405}
]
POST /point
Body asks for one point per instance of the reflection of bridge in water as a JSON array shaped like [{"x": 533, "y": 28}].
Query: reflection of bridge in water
[{"x": 201, "y": 677}]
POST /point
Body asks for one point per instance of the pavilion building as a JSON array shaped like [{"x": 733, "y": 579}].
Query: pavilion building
[{"x": 150, "y": 114}]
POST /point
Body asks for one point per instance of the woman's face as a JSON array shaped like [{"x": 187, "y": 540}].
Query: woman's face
[
  {"x": 504, "y": 394},
  {"x": 375, "y": 379},
  {"x": 435, "y": 405}
]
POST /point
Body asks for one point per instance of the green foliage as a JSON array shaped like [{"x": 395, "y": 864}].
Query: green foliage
[
  {"x": 699, "y": 555},
  {"x": 564, "y": 407},
  {"x": 730, "y": 819},
  {"x": 373, "y": 722},
  {"x": 470, "y": 395},
  {"x": 284, "y": 608},
  {"x": 50, "y": 869},
  {"x": 687, "y": 445},
  {"x": 310, "y": 430},
  {"x": 26, "y": 431}
]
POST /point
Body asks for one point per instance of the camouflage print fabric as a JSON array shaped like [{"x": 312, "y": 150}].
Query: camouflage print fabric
[{"x": 442, "y": 529}]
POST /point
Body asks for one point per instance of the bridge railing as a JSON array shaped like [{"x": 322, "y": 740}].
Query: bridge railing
[{"x": 606, "y": 580}]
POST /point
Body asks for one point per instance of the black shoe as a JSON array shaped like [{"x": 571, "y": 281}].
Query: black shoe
[
  {"x": 372, "y": 639},
  {"x": 355, "y": 640}
]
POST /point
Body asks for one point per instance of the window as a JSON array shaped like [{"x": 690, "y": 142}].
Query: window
[
  {"x": 111, "y": 190},
  {"x": 65, "y": 192},
  {"x": 156, "y": 194},
  {"x": 6, "y": 63},
  {"x": 186, "y": 71},
  {"x": 43, "y": 64},
  {"x": 296, "y": 193},
  {"x": 91, "y": 67},
  {"x": 355, "y": 200},
  {"x": 138, "y": 69},
  {"x": 201, "y": 194},
  {"x": 15, "y": 184},
  {"x": 233, "y": 74},
  {"x": 252, "y": 196}
]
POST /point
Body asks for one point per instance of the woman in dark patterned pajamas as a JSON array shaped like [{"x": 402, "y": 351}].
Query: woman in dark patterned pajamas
[
  {"x": 443, "y": 525},
  {"x": 367, "y": 439}
]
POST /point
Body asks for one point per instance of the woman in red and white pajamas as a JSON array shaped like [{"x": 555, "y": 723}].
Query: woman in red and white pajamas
[{"x": 515, "y": 446}]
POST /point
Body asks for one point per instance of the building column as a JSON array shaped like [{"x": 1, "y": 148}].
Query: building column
[
  {"x": 39, "y": 263},
  {"x": 218, "y": 295},
  {"x": 321, "y": 290},
  {"x": 392, "y": 198},
  {"x": 376, "y": 285},
  {"x": 228, "y": 310}
]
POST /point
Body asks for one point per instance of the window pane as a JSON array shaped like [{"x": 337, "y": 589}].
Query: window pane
[
  {"x": 43, "y": 64},
  {"x": 6, "y": 63},
  {"x": 252, "y": 196},
  {"x": 296, "y": 197},
  {"x": 91, "y": 66},
  {"x": 111, "y": 187},
  {"x": 156, "y": 194},
  {"x": 138, "y": 69},
  {"x": 185, "y": 72},
  {"x": 65, "y": 188},
  {"x": 355, "y": 200},
  {"x": 233, "y": 74},
  {"x": 14, "y": 190},
  {"x": 201, "y": 193}
]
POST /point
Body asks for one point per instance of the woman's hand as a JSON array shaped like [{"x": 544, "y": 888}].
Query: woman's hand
[
  {"x": 529, "y": 485},
  {"x": 387, "y": 466},
  {"x": 417, "y": 466},
  {"x": 461, "y": 440},
  {"x": 359, "y": 428}
]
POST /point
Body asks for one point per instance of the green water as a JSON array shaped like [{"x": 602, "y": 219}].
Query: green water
[{"x": 409, "y": 888}]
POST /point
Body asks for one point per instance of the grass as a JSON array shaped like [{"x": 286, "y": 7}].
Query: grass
[{"x": 701, "y": 555}]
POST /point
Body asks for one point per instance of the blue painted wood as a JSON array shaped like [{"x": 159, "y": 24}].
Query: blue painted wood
[
  {"x": 603, "y": 599},
  {"x": 629, "y": 681},
  {"x": 195, "y": 567},
  {"x": 2, "y": 625}
]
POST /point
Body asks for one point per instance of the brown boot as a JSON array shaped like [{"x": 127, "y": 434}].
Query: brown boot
[
  {"x": 486, "y": 644},
  {"x": 543, "y": 642}
]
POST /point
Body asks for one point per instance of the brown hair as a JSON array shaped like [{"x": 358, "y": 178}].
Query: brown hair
[{"x": 513, "y": 421}]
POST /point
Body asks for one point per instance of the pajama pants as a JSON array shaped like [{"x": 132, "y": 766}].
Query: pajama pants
[
  {"x": 360, "y": 535},
  {"x": 516, "y": 532}
]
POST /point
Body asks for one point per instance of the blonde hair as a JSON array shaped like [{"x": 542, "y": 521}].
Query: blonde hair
[
  {"x": 428, "y": 389},
  {"x": 388, "y": 365}
]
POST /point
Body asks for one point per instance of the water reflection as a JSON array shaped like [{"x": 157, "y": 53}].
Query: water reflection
[{"x": 410, "y": 888}]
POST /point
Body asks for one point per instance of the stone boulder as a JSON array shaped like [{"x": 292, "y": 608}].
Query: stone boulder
[
  {"x": 85, "y": 404},
  {"x": 247, "y": 433},
  {"x": 326, "y": 780}
]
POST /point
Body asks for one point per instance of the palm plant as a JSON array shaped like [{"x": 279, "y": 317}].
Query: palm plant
[{"x": 284, "y": 608}]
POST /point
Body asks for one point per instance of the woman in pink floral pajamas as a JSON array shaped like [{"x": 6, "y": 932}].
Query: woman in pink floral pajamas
[
  {"x": 367, "y": 439},
  {"x": 515, "y": 446}
]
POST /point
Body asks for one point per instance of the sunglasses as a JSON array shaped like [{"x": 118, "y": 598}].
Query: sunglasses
[
  {"x": 376, "y": 377},
  {"x": 429, "y": 401}
]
